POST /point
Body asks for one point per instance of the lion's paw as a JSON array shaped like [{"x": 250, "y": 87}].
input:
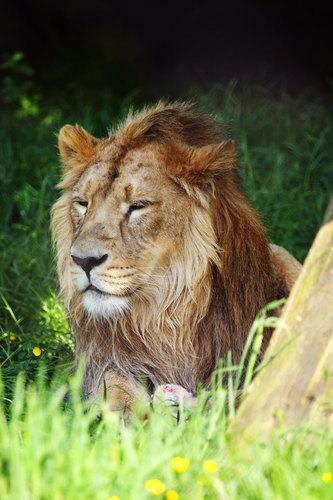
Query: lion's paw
[{"x": 175, "y": 396}]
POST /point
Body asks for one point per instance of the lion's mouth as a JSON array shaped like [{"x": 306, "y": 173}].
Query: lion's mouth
[{"x": 93, "y": 288}]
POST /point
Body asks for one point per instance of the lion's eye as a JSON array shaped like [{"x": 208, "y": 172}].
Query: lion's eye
[
  {"x": 81, "y": 206},
  {"x": 138, "y": 206}
]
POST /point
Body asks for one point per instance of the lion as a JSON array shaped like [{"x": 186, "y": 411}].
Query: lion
[{"x": 163, "y": 263}]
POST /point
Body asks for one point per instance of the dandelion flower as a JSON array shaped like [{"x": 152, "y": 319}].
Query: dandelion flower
[
  {"x": 180, "y": 464},
  {"x": 12, "y": 337},
  {"x": 171, "y": 495},
  {"x": 154, "y": 486},
  {"x": 114, "y": 498},
  {"x": 210, "y": 466},
  {"x": 37, "y": 351},
  {"x": 327, "y": 477}
]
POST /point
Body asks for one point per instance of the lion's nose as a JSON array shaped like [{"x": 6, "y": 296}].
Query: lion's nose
[{"x": 87, "y": 263}]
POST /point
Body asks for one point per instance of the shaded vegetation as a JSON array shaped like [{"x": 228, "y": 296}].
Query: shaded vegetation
[{"x": 285, "y": 149}]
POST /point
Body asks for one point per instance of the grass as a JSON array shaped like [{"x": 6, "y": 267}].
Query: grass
[
  {"x": 285, "y": 146},
  {"x": 56, "y": 448},
  {"x": 48, "y": 451}
]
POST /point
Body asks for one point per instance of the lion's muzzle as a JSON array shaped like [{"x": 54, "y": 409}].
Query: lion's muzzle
[
  {"x": 105, "y": 289},
  {"x": 87, "y": 263}
]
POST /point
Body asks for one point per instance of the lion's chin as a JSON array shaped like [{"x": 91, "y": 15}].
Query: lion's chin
[{"x": 104, "y": 306}]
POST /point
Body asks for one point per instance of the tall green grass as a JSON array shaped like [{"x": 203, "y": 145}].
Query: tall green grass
[
  {"x": 285, "y": 150},
  {"x": 51, "y": 451}
]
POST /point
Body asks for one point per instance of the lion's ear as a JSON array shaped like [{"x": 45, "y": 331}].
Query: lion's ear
[
  {"x": 209, "y": 162},
  {"x": 75, "y": 144},
  {"x": 202, "y": 165}
]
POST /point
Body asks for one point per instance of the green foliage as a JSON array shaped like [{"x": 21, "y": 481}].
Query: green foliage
[
  {"x": 48, "y": 451},
  {"x": 285, "y": 149},
  {"x": 18, "y": 87}
]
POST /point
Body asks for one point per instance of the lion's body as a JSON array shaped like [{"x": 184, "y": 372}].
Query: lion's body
[{"x": 163, "y": 263}]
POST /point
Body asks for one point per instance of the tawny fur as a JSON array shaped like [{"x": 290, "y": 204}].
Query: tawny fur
[{"x": 217, "y": 270}]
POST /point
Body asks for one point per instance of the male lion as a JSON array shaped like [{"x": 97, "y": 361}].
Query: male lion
[{"x": 162, "y": 261}]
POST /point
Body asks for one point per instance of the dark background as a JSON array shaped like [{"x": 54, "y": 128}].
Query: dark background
[{"x": 164, "y": 47}]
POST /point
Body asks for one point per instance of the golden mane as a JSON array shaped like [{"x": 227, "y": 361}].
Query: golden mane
[{"x": 206, "y": 300}]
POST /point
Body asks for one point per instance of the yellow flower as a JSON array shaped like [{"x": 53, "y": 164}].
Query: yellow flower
[
  {"x": 327, "y": 477},
  {"x": 114, "y": 498},
  {"x": 154, "y": 486},
  {"x": 36, "y": 351},
  {"x": 12, "y": 337},
  {"x": 171, "y": 495},
  {"x": 210, "y": 466},
  {"x": 180, "y": 464}
]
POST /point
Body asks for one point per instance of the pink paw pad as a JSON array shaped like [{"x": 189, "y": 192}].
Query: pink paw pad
[{"x": 172, "y": 395}]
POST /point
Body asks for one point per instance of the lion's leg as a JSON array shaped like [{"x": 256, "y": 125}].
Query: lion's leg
[{"x": 123, "y": 393}]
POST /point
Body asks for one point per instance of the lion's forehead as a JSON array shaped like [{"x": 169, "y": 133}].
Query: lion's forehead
[
  {"x": 138, "y": 175},
  {"x": 96, "y": 177}
]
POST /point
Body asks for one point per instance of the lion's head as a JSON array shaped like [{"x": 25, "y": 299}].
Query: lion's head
[{"x": 158, "y": 245}]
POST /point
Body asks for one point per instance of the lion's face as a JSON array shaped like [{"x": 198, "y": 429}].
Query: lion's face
[{"x": 126, "y": 226}]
